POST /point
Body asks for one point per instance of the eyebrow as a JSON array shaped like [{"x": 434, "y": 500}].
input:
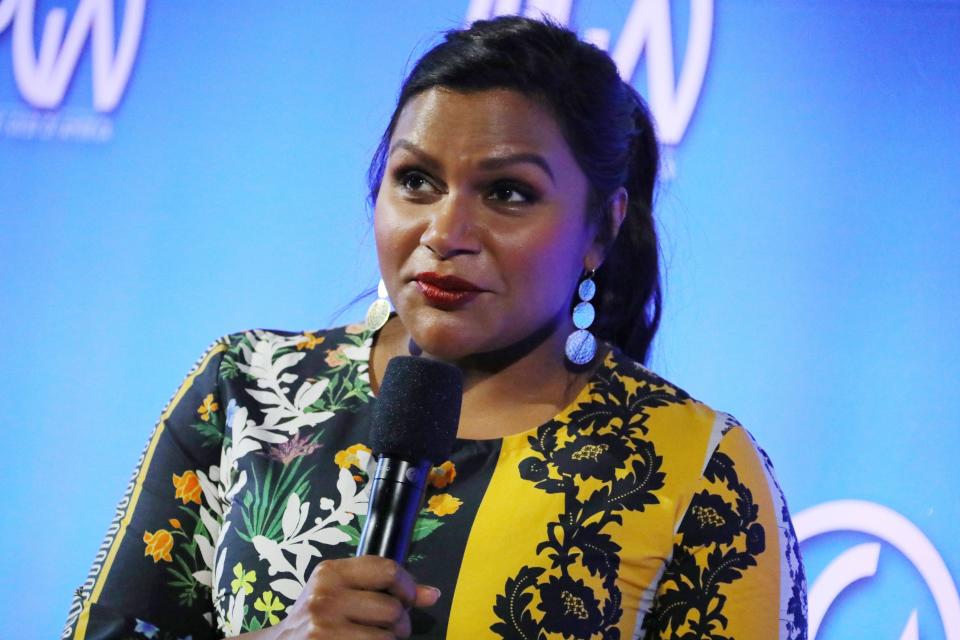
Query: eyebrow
[
  {"x": 487, "y": 164},
  {"x": 516, "y": 158},
  {"x": 422, "y": 155}
]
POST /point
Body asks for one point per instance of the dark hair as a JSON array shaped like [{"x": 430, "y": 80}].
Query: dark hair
[{"x": 607, "y": 126}]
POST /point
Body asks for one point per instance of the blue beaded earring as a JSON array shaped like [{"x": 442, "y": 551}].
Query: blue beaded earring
[{"x": 581, "y": 344}]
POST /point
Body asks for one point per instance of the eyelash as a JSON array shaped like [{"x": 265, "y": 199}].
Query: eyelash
[
  {"x": 403, "y": 176},
  {"x": 529, "y": 195}
]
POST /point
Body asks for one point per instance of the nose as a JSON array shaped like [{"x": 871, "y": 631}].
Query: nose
[{"x": 451, "y": 229}]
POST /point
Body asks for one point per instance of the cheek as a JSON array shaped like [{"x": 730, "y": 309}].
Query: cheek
[
  {"x": 380, "y": 231},
  {"x": 564, "y": 247},
  {"x": 387, "y": 235},
  {"x": 545, "y": 264}
]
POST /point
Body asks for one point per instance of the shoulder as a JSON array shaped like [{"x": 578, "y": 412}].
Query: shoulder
[
  {"x": 256, "y": 351},
  {"x": 731, "y": 517},
  {"x": 330, "y": 348},
  {"x": 698, "y": 443},
  {"x": 305, "y": 340},
  {"x": 294, "y": 373},
  {"x": 683, "y": 428}
]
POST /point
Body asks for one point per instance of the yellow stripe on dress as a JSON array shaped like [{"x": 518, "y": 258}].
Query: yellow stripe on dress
[
  {"x": 748, "y": 602},
  {"x": 138, "y": 486},
  {"x": 497, "y": 547}
]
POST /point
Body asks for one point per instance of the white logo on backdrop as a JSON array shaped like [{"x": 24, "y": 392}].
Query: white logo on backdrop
[
  {"x": 43, "y": 73},
  {"x": 861, "y": 561},
  {"x": 647, "y": 29},
  {"x": 43, "y": 76}
]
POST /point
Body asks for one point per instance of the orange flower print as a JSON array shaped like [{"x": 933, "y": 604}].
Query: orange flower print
[
  {"x": 209, "y": 406},
  {"x": 350, "y": 457},
  {"x": 443, "y": 504},
  {"x": 310, "y": 340},
  {"x": 335, "y": 357},
  {"x": 175, "y": 523},
  {"x": 443, "y": 475},
  {"x": 188, "y": 487},
  {"x": 159, "y": 545}
]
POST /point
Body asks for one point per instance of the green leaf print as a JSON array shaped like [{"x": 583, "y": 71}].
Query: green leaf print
[
  {"x": 211, "y": 432},
  {"x": 424, "y": 527},
  {"x": 228, "y": 367},
  {"x": 263, "y": 504},
  {"x": 351, "y": 531},
  {"x": 186, "y": 562},
  {"x": 354, "y": 531}
]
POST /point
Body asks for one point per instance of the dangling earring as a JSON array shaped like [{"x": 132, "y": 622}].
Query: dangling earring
[
  {"x": 581, "y": 344},
  {"x": 379, "y": 311}
]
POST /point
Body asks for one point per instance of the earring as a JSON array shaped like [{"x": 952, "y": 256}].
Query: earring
[
  {"x": 581, "y": 344},
  {"x": 379, "y": 311}
]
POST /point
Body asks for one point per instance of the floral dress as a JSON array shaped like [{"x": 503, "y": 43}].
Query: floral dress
[{"x": 636, "y": 512}]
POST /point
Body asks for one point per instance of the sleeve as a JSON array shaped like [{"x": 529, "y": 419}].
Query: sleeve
[
  {"x": 736, "y": 570},
  {"x": 152, "y": 576}
]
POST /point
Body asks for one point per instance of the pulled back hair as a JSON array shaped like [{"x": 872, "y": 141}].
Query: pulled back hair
[{"x": 608, "y": 128}]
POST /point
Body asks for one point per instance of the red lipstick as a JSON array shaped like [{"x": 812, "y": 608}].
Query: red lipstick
[{"x": 446, "y": 292}]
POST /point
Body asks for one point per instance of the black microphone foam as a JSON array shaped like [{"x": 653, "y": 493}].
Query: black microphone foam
[
  {"x": 417, "y": 411},
  {"x": 414, "y": 425}
]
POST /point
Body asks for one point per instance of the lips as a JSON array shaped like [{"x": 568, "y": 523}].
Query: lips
[{"x": 446, "y": 292}]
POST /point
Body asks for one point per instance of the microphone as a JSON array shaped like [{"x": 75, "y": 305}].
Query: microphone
[{"x": 414, "y": 426}]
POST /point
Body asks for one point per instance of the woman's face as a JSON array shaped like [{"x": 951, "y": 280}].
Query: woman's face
[{"x": 480, "y": 221}]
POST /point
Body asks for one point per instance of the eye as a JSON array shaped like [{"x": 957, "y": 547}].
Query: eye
[
  {"x": 512, "y": 193},
  {"x": 414, "y": 181}
]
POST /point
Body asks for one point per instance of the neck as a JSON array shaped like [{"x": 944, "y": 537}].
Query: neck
[
  {"x": 543, "y": 349},
  {"x": 531, "y": 372}
]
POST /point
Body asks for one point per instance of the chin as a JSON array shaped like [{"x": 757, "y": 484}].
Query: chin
[
  {"x": 445, "y": 338},
  {"x": 444, "y": 347}
]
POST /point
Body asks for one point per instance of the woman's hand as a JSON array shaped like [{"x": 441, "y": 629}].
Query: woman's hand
[{"x": 365, "y": 597}]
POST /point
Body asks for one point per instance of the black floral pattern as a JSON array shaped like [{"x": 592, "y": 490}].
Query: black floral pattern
[
  {"x": 569, "y": 607},
  {"x": 691, "y": 603},
  {"x": 595, "y": 456},
  {"x": 603, "y": 442},
  {"x": 714, "y": 521}
]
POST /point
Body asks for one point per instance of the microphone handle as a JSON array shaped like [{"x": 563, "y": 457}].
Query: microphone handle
[{"x": 396, "y": 496}]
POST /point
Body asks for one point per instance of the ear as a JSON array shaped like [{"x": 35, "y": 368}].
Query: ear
[{"x": 609, "y": 226}]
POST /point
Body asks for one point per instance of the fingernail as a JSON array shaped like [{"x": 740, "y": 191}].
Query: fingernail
[{"x": 436, "y": 593}]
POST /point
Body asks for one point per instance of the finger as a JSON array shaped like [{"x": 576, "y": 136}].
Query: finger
[
  {"x": 362, "y": 632},
  {"x": 375, "y": 609},
  {"x": 426, "y": 596},
  {"x": 373, "y": 573},
  {"x": 402, "y": 586}
]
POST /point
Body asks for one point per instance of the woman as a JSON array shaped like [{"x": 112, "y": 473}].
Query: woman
[{"x": 585, "y": 497}]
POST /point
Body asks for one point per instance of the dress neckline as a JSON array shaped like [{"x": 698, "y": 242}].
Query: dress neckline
[{"x": 518, "y": 440}]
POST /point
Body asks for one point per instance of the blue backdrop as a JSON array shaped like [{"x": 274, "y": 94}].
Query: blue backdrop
[{"x": 201, "y": 171}]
